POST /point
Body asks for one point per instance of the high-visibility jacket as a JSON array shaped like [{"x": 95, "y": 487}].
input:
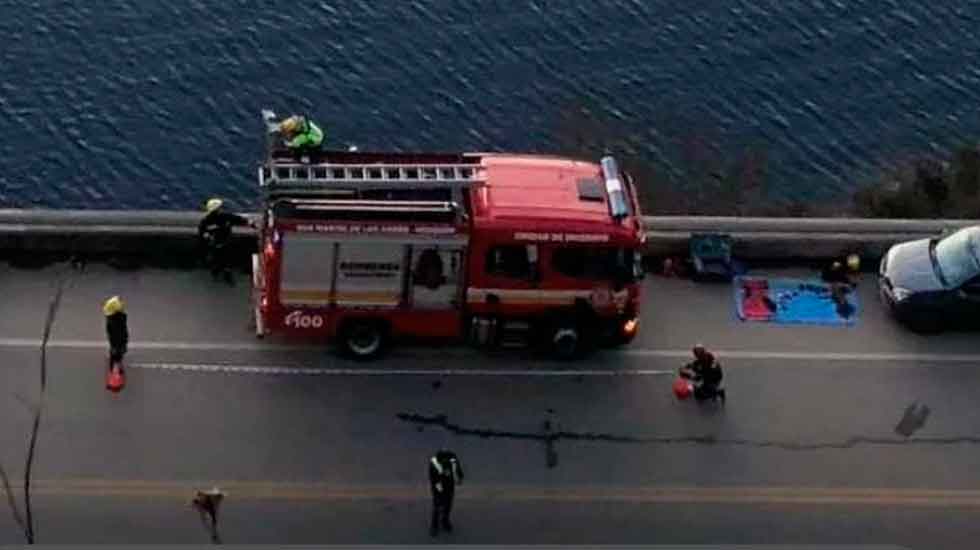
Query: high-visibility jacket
[
  {"x": 445, "y": 471},
  {"x": 310, "y": 135}
]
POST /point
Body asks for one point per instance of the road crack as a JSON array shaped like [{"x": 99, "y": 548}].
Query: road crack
[{"x": 552, "y": 437}]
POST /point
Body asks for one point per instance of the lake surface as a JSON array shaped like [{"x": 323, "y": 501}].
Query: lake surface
[{"x": 149, "y": 104}]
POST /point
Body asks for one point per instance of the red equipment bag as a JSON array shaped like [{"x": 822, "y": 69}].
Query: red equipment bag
[
  {"x": 683, "y": 388},
  {"x": 115, "y": 380}
]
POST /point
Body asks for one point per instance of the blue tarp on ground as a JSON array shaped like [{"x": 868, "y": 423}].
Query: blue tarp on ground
[{"x": 793, "y": 301}]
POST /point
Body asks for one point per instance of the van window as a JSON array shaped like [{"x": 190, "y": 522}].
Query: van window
[
  {"x": 593, "y": 262},
  {"x": 508, "y": 261}
]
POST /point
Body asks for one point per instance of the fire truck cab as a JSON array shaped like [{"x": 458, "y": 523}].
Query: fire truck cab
[{"x": 366, "y": 249}]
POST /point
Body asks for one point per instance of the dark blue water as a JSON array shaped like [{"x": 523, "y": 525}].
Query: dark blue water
[{"x": 153, "y": 104}]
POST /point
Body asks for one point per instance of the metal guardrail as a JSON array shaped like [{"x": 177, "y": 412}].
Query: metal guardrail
[
  {"x": 773, "y": 238},
  {"x": 753, "y": 237},
  {"x": 800, "y": 225}
]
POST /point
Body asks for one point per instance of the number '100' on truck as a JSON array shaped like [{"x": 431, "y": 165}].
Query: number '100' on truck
[{"x": 367, "y": 249}]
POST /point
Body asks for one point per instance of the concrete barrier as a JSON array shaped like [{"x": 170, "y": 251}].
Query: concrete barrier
[
  {"x": 802, "y": 225},
  {"x": 793, "y": 238},
  {"x": 152, "y": 237},
  {"x": 169, "y": 235}
]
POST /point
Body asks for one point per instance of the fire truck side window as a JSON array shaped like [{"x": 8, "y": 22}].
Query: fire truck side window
[
  {"x": 508, "y": 261},
  {"x": 590, "y": 262}
]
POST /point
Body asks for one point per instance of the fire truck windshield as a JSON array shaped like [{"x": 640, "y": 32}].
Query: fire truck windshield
[{"x": 602, "y": 263}]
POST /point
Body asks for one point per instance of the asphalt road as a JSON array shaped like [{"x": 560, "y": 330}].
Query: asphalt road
[{"x": 314, "y": 449}]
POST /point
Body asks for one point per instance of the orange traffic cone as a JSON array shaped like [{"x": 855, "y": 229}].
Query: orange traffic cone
[{"x": 115, "y": 380}]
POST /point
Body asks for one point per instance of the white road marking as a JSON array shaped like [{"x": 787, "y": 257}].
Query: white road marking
[
  {"x": 815, "y": 356},
  {"x": 172, "y": 346},
  {"x": 461, "y": 351},
  {"x": 317, "y": 491},
  {"x": 255, "y": 369}
]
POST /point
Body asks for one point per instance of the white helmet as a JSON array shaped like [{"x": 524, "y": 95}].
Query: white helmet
[{"x": 212, "y": 205}]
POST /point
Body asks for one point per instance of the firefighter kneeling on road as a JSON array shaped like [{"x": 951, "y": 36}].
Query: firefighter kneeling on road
[
  {"x": 445, "y": 472},
  {"x": 705, "y": 372},
  {"x": 214, "y": 231}
]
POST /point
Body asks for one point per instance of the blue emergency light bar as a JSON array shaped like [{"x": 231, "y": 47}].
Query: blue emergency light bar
[{"x": 618, "y": 203}]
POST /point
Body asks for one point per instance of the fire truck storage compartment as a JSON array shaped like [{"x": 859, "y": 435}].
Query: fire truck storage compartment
[
  {"x": 363, "y": 276},
  {"x": 370, "y": 274},
  {"x": 307, "y": 269}
]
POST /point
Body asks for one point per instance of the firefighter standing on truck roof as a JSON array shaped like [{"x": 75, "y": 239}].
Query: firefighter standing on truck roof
[
  {"x": 445, "y": 472},
  {"x": 117, "y": 330},
  {"x": 214, "y": 231},
  {"x": 300, "y": 134}
]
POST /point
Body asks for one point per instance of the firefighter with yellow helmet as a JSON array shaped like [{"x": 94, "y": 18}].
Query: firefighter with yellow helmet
[
  {"x": 117, "y": 330},
  {"x": 300, "y": 133},
  {"x": 214, "y": 232},
  {"x": 843, "y": 270}
]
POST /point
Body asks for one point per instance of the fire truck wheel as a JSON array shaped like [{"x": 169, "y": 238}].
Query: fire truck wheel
[
  {"x": 363, "y": 339},
  {"x": 566, "y": 342}
]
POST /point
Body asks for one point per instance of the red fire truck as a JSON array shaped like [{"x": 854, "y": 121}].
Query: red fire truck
[{"x": 366, "y": 249}]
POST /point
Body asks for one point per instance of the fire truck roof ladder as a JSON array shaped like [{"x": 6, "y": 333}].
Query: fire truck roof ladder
[
  {"x": 331, "y": 178},
  {"x": 435, "y": 207},
  {"x": 325, "y": 177},
  {"x": 439, "y": 212}
]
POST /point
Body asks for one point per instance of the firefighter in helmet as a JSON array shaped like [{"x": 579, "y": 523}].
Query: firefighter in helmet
[
  {"x": 843, "y": 270},
  {"x": 214, "y": 231},
  {"x": 705, "y": 372},
  {"x": 117, "y": 330},
  {"x": 445, "y": 472},
  {"x": 300, "y": 133},
  {"x": 207, "y": 504}
]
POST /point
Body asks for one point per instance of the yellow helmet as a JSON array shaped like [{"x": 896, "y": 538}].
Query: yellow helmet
[
  {"x": 291, "y": 124},
  {"x": 113, "y": 306},
  {"x": 212, "y": 205},
  {"x": 853, "y": 262}
]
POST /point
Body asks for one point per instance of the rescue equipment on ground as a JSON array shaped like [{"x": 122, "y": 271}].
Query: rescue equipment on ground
[{"x": 683, "y": 388}]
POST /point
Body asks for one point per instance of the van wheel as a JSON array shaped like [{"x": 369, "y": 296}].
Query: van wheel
[
  {"x": 363, "y": 340},
  {"x": 925, "y": 323}
]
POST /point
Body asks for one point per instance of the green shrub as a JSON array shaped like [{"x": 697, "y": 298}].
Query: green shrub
[{"x": 924, "y": 188}]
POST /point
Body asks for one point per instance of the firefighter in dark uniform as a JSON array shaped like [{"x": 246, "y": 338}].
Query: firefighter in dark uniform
[
  {"x": 705, "y": 372},
  {"x": 445, "y": 472},
  {"x": 117, "y": 330},
  {"x": 207, "y": 504},
  {"x": 214, "y": 231}
]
